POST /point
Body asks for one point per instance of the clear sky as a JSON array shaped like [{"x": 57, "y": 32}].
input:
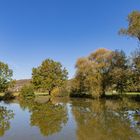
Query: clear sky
[{"x": 64, "y": 30}]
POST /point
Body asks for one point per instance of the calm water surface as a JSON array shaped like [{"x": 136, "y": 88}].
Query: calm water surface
[{"x": 64, "y": 119}]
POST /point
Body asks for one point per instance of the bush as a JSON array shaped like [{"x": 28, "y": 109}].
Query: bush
[
  {"x": 8, "y": 95},
  {"x": 78, "y": 94},
  {"x": 59, "y": 92},
  {"x": 27, "y": 91}
]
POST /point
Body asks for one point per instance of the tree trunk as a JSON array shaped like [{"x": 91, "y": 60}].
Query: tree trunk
[
  {"x": 103, "y": 89},
  {"x": 103, "y": 94},
  {"x": 49, "y": 92}
]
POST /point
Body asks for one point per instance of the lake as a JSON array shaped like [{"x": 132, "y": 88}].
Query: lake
[{"x": 69, "y": 119}]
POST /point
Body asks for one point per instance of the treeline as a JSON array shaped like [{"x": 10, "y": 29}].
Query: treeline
[
  {"x": 49, "y": 77},
  {"x": 107, "y": 71},
  {"x": 110, "y": 71},
  {"x": 101, "y": 72}
]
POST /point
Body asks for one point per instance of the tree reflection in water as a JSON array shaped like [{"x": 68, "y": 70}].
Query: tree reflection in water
[
  {"x": 5, "y": 116},
  {"x": 48, "y": 117},
  {"x": 105, "y": 120}
]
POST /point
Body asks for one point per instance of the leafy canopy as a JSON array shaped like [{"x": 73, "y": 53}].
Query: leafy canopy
[
  {"x": 133, "y": 29},
  {"x": 101, "y": 71},
  {"x": 5, "y": 76},
  {"x": 49, "y": 75},
  {"x": 92, "y": 73}
]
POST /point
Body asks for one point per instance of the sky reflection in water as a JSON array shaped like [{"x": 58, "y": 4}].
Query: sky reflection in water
[{"x": 75, "y": 119}]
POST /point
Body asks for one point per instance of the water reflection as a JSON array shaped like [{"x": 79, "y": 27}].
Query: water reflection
[
  {"x": 105, "y": 120},
  {"x": 5, "y": 117},
  {"x": 76, "y": 119},
  {"x": 48, "y": 117}
]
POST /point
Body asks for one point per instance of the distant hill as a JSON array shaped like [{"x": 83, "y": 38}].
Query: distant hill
[{"x": 20, "y": 83}]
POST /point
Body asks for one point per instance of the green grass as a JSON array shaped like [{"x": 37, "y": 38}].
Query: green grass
[
  {"x": 132, "y": 93},
  {"x": 1, "y": 94},
  {"x": 126, "y": 93},
  {"x": 16, "y": 94},
  {"x": 41, "y": 93}
]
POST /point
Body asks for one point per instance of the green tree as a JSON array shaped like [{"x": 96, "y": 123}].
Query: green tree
[
  {"x": 133, "y": 29},
  {"x": 102, "y": 71},
  {"x": 119, "y": 71},
  {"x": 135, "y": 71},
  {"x": 136, "y": 61},
  {"x": 49, "y": 76},
  {"x": 27, "y": 92},
  {"x": 5, "y": 76}
]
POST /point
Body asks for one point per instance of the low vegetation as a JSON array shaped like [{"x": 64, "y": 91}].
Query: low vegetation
[{"x": 27, "y": 92}]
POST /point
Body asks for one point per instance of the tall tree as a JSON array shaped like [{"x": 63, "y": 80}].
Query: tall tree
[
  {"x": 119, "y": 71},
  {"x": 101, "y": 71},
  {"x": 5, "y": 76},
  {"x": 92, "y": 73},
  {"x": 49, "y": 75},
  {"x": 102, "y": 63},
  {"x": 133, "y": 29},
  {"x": 135, "y": 70}
]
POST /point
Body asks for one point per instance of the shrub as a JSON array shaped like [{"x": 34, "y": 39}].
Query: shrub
[
  {"x": 59, "y": 92},
  {"x": 8, "y": 95},
  {"x": 27, "y": 91}
]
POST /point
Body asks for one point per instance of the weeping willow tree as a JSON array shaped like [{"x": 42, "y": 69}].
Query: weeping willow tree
[
  {"x": 92, "y": 73},
  {"x": 101, "y": 71}
]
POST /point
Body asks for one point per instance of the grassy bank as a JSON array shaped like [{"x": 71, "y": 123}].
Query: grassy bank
[
  {"x": 16, "y": 94},
  {"x": 109, "y": 95},
  {"x": 126, "y": 93}
]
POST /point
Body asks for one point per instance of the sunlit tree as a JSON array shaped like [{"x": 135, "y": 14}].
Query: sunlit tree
[
  {"x": 92, "y": 73},
  {"x": 133, "y": 29},
  {"x": 49, "y": 75},
  {"x": 119, "y": 72},
  {"x": 5, "y": 76}
]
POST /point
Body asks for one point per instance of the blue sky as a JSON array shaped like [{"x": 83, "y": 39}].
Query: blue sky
[{"x": 64, "y": 30}]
